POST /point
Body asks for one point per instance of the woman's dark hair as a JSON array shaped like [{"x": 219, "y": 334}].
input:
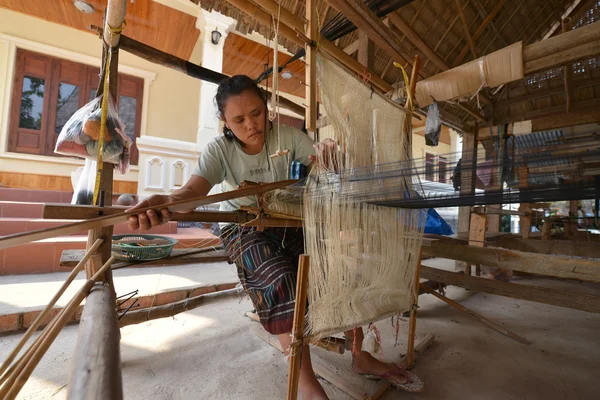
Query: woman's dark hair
[{"x": 234, "y": 86}]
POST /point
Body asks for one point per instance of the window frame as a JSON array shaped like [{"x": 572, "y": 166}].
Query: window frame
[{"x": 52, "y": 79}]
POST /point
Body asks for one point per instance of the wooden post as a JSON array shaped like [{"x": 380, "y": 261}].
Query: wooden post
[
  {"x": 571, "y": 226},
  {"x": 311, "y": 65},
  {"x": 412, "y": 326},
  {"x": 467, "y": 184},
  {"x": 298, "y": 327},
  {"x": 524, "y": 220},
  {"x": 96, "y": 366}
]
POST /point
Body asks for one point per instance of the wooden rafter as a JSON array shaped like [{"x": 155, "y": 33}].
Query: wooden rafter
[
  {"x": 465, "y": 25},
  {"x": 480, "y": 29},
  {"x": 416, "y": 40},
  {"x": 484, "y": 14},
  {"x": 361, "y": 16}
]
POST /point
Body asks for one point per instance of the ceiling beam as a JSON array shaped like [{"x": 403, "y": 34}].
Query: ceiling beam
[
  {"x": 480, "y": 29},
  {"x": 296, "y": 30},
  {"x": 365, "y": 20},
  {"x": 351, "y": 48},
  {"x": 465, "y": 25},
  {"x": 366, "y": 50},
  {"x": 416, "y": 40},
  {"x": 567, "y": 13},
  {"x": 483, "y": 14},
  {"x": 539, "y": 94}
]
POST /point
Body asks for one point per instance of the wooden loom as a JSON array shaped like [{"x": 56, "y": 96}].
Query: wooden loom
[{"x": 458, "y": 249}]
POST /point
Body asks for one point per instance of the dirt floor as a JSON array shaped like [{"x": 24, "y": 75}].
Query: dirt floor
[{"x": 210, "y": 353}]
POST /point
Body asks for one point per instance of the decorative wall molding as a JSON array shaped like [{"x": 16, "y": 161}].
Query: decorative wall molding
[{"x": 150, "y": 175}]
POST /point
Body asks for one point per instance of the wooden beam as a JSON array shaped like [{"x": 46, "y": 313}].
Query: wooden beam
[
  {"x": 560, "y": 298},
  {"x": 292, "y": 33},
  {"x": 498, "y": 6},
  {"x": 484, "y": 14},
  {"x": 566, "y": 47},
  {"x": 465, "y": 25},
  {"x": 539, "y": 94},
  {"x": 312, "y": 34},
  {"x": 535, "y": 263},
  {"x": 366, "y": 50},
  {"x": 167, "y": 60},
  {"x": 590, "y": 116},
  {"x": 67, "y": 229},
  {"x": 477, "y": 115},
  {"x": 416, "y": 40},
  {"x": 361, "y": 16},
  {"x": 557, "y": 24},
  {"x": 352, "y": 47}
]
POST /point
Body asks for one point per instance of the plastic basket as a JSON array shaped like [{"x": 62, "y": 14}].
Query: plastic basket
[{"x": 141, "y": 247}]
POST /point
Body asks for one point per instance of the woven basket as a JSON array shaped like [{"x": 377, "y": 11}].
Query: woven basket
[{"x": 141, "y": 247}]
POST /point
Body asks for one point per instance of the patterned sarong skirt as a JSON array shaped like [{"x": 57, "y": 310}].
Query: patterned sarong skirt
[{"x": 267, "y": 265}]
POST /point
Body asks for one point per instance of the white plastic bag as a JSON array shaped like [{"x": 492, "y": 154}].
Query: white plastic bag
[
  {"x": 83, "y": 192},
  {"x": 433, "y": 126},
  {"x": 79, "y": 137}
]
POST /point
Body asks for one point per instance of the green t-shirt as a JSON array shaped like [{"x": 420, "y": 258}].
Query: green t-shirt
[{"x": 224, "y": 162}]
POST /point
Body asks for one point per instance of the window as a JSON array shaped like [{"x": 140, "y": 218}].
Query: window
[
  {"x": 429, "y": 167},
  {"x": 442, "y": 172},
  {"x": 436, "y": 168},
  {"x": 48, "y": 91}
]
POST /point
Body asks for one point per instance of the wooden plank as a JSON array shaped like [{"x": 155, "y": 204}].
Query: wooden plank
[
  {"x": 484, "y": 15},
  {"x": 366, "y": 50},
  {"x": 546, "y": 230},
  {"x": 470, "y": 42},
  {"x": 545, "y": 264},
  {"x": 494, "y": 210},
  {"x": 560, "y": 298},
  {"x": 26, "y": 237}
]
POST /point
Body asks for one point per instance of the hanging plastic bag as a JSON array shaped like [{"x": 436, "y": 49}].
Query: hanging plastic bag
[
  {"x": 433, "y": 126},
  {"x": 83, "y": 192},
  {"x": 79, "y": 137}
]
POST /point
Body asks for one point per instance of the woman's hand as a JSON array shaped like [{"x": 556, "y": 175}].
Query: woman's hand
[
  {"x": 150, "y": 218},
  {"x": 326, "y": 155}
]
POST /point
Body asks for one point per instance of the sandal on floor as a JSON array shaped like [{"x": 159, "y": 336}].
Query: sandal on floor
[{"x": 414, "y": 387}]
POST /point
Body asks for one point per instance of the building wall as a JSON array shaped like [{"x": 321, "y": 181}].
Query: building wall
[{"x": 171, "y": 99}]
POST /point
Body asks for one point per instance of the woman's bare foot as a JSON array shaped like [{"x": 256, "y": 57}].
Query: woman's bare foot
[{"x": 364, "y": 363}]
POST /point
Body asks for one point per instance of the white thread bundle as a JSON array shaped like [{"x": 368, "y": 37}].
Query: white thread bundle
[{"x": 363, "y": 257}]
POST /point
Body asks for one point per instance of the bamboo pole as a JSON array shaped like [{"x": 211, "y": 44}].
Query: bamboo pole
[
  {"x": 51, "y": 304},
  {"x": 481, "y": 318},
  {"x": 298, "y": 327},
  {"x": 26, "y": 364},
  {"x": 412, "y": 325},
  {"x": 182, "y": 205}
]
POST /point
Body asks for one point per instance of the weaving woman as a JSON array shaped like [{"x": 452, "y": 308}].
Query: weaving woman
[{"x": 266, "y": 260}]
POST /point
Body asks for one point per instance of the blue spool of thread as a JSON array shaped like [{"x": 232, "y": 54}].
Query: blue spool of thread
[{"x": 297, "y": 170}]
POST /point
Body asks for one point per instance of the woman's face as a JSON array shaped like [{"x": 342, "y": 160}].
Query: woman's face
[{"x": 244, "y": 114}]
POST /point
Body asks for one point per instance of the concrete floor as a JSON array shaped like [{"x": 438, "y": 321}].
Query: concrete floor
[{"x": 209, "y": 352}]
